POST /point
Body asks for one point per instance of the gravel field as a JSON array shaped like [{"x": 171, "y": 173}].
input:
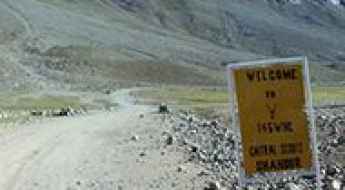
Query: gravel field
[{"x": 211, "y": 144}]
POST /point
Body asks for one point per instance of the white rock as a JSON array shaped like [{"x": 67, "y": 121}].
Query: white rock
[
  {"x": 336, "y": 185},
  {"x": 292, "y": 186}
]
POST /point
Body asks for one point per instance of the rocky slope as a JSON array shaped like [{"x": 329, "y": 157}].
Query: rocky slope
[{"x": 51, "y": 42}]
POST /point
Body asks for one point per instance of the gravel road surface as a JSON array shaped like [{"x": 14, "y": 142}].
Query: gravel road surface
[{"x": 116, "y": 150}]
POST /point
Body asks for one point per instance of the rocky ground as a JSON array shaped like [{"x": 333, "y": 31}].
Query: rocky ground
[
  {"x": 210, "y": 144},
  {"x": 134, "y": 147}
]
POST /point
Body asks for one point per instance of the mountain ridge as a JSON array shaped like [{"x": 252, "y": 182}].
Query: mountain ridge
[{"x": 202, "y": 35}]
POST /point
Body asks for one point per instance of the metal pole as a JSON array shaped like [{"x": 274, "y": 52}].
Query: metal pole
[{"x": 313, "y": 128}]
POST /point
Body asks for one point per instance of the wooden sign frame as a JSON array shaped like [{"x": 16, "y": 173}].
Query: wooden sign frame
[{"x": 264, "y": 177}]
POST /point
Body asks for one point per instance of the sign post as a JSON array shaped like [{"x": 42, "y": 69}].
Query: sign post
[{"x": 272, "y": 108}]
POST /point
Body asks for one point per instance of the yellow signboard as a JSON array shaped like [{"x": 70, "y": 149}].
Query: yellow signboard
[{"x": 272, "y": 117}]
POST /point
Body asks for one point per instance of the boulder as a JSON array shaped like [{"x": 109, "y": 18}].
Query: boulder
[
  {"x": 135, "y": 138},
  {"x": 36, "y": 113},
  {"x": 163, "y": 108},
  {"x": 169, "y": 140},
  {"x": 213, "y": 185}
]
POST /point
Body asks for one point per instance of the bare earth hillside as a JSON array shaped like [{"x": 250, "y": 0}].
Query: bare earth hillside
[{"x": 58, "y": 41}]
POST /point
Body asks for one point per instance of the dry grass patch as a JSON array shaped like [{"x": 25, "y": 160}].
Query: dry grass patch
[{"x": 329, "y": 95}]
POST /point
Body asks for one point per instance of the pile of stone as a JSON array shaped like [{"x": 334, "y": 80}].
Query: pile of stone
[
  {"x": 62, "y": 112},
  {"x": 330, "y": 123},
  {"x": 331, "y": 129},
  {"x": 212, "y": 145}
]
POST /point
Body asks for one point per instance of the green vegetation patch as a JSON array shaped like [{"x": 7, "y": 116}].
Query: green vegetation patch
[
  {"x": 210, "y": 96},
  {"x": 23, "y": 102},
  {"x": 213, "y": 102},
  {"x": 185, "y": 96},
  {"x": 16, "y": 107},
  {"x": 47, "y": 102}
]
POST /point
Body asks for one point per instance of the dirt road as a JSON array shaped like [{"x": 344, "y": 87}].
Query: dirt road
[{"x": 94, "y": 152}]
